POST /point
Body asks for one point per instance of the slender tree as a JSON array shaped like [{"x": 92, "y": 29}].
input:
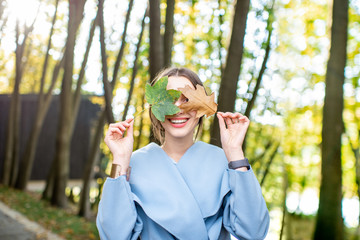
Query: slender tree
[
  {"x": 284, "y": 210},
  {"x": 169, "y": 32},
  {"x": 228, "y": 85},
  {"x": 156, "y": 40},
  {"x": 11, "y": 159},
  {"x": 135, "y": 68},
  {"x": 355, "y": 147},
  {"x": 270, "y": 21},
  {"x": 84, "y": 209},
  {"x": 329, "y": 222},
  {"x": 106, "y": 84},
  {"x": 141, "y": 120},
  {"x": 268, "y": 164},
  {"x": 3, "y": 17},
  {"x": 160, "y": 52},
  {"x": 220, "y": 38},
  {"x": 42, "y": 108},
  {"x": 63, "y": 139}
]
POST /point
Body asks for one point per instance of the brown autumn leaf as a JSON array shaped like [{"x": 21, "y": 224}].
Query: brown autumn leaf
[{"x": 199, "y": 101}]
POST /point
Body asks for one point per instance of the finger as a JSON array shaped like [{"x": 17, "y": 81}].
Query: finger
[
  {"x": 228, "y": 121},
  {"x": 244, "y": 118},
  {"x": 236, "y": 115},
  {"x": 228, "y": 118},
  {"x": 124, "y": 123},
  {"x": 129, "y": 120},
  {"x": 226, "y": 114},
  {"x": 233, "y": 115},
  {"x": 121, "y": 127},
  {"x": 130, "y": 130},
  {"x": 234, "y": 120},
  {"x": 221, "y": 123},
  {"x": 115, "y": 130}
]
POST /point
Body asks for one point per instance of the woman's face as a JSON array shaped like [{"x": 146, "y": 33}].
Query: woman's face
[{"x": 181, "y": 124}]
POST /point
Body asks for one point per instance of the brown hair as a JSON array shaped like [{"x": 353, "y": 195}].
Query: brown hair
[{"x": 157, "y": 128}]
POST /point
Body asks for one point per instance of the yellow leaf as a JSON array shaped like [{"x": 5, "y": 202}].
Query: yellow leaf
[{"x": 199, "y": 101}]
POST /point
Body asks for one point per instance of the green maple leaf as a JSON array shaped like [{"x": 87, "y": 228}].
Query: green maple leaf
[{"x": 161, "y": 100}]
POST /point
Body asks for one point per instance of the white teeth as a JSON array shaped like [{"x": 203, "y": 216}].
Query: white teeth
[{"x": 178, "y": 121}]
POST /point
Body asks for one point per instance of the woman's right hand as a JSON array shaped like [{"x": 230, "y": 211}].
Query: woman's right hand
[{"x": 121, "y": 146}]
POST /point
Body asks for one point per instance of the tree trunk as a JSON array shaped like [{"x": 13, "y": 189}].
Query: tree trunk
[
  {"x": 220, "y": 38},
  {"x": 63, "y": 139},
  {"x": 141, "y": 125},
  {"x": 169, "y": 32},
  {"x": 88, "y": 175},
  {"x": 285, "y": 187},
  {"x": 267, "y": 168},
  {"x": 156, "y": 41},
  {"x": 50, "y": 178},
  {"x": 77, "y": 94},
  {"x": 357, "y": 164},
  {"x": 329, "y": 222},
  {"x": 123, "y": 43},
  {"x": 42, "y": 107},
  {"x": 84, "y": 209},
  {"x": 251, "y": 103},
  {"x": 3, "y": 18},
  {"x": 50, "y": 182},
  {"x": 156, "y": 49},
  {"x": 228, "y": 85},
  {"x": 356, "y": 152},
  {"x": 10, "y": 167},
  {"x": 135, "y": 68},
  {"x": 107, "y": 87}
]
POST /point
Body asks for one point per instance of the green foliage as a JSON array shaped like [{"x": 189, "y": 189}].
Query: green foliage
[
  {"x": 61, "y": 222},
  {"x": 161, "y": 100}
]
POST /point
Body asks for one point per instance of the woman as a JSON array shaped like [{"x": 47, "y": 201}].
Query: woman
[{"x": 181, "y": 189}]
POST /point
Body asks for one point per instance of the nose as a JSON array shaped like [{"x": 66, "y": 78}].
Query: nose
[{"x": 177, "y": 102}]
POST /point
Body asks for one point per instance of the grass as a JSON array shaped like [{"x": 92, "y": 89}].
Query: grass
[{"x": 63, "y": 222}]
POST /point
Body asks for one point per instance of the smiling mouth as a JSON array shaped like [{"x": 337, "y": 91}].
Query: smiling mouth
[{"x": 178, "y": 121}]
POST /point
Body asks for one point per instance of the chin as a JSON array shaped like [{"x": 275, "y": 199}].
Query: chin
[{"x": 180, "y": 131}]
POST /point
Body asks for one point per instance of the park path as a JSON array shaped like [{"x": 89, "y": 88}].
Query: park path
[{"x": 15, "y": 226}]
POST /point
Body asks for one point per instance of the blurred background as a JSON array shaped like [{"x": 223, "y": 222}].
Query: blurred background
[{"x": 70, "y": 67}]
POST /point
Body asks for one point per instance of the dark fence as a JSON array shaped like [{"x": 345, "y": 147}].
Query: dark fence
[{"x": 80, "y": 143}]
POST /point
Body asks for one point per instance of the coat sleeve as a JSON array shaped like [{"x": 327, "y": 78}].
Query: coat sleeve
[
  {"x": 245, "y": 213},
  {"x": 117, "y": 217}
]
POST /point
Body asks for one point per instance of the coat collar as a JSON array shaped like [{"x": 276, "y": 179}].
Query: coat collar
[{"x": 179, "y": 196}]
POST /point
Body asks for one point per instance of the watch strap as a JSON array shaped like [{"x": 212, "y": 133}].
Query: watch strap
[{"x": 239, "y": 163}]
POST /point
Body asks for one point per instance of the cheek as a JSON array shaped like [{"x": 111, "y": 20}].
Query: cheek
[
  {"x": 162, "y": 123},
  {"x": 192, "y": 113}
]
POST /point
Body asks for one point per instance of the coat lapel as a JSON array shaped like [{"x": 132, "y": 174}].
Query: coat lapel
[
  {"x": 203, "y": 168},
  {"x": 164, "y": 195}
]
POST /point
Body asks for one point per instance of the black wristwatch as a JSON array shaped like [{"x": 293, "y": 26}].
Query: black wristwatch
[{"x": 239, "y": 163}]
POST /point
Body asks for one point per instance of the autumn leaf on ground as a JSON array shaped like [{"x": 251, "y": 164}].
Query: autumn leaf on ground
[
  {"x": 199, "y": 101},
  {"x": 161, "y": 100}
]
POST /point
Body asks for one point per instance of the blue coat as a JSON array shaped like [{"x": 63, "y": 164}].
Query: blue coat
[{"x": 197, "y": 198}]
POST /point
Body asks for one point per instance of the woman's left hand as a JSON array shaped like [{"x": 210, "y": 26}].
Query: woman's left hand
[{"x": 233, "y": 128}]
